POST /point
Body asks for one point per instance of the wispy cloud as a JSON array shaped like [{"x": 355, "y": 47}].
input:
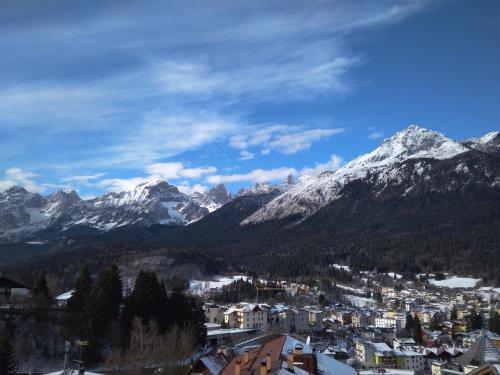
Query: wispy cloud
[
  {"x": 122, "y": 184},
  {"x": 144, "y": 81},
  {"x": 257, "y": 175},
  {"x": 277, "y": 174},
  {"x": 83, "y": 179},
  {"x": 177, "y": 170},
  {"x": 161, "y": 136},
  {"x": 20, "y": 177},
  {"x": 375, "y": 134},
  {"x": 286, "y": 139},
  {"x": 246, "y": 155},
  {"x": 333, "y": 164},
  {"x": 174, "y": 172}
]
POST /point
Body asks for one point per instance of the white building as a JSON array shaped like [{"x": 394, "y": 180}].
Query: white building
[
  {"x": 402, "y": 342},
  {"x": 62, "y": 299},
  {"x": 385, "y": 322},
  {"x": 408, "y": 359},
  {"x": 246, "y": 316}
]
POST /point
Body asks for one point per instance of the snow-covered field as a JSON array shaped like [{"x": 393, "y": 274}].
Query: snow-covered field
[
  {"x": 202, "y": 286},
  {"x": 392, "y": 274},
  {"x": 455, "y": 282},
  {"x": 360, "y": 301},
  {"x": 340, "y": 267},
  {"x": 351, "y": 289}
]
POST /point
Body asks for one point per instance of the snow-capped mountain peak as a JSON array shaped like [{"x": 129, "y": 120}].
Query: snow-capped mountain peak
[
  {"x": 489, "y": 142},
  {"x": 414, "y": 142},
  {"x": 154, "y": 202},
  {"x": 311, "y": 194},
  {"x": 214, "y": 198}
]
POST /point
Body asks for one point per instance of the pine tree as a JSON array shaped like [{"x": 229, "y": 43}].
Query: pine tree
[
  {"x": 410, "y": 324},
  {"x": 7, "y": 355},
  {"x": 417, "y": 331},
  {"x": 41, "y": 292},
  {"x": 82, "y": 290},
  {"x": 475, "y": 320},
  {"x": 148, "y": 301},
  {"x": 494, "y": 321},
  {"x": 454, "y": 313},
  {"x": 104, "y": 302}
]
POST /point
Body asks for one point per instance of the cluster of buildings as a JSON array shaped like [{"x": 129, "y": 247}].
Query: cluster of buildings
[
  {"x": 279, "y": 355},
  {"x": 374, "y": 339}
]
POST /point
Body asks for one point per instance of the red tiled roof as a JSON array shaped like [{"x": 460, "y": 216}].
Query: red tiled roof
[{"x": 256, "y": 356}]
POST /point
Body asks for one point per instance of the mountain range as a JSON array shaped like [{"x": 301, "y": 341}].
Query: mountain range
[{"x": 420, "y": 201}]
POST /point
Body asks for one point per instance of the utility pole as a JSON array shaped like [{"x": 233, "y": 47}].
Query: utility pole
[
  {"x": 79, "y": 362},
  {"x": 67, "y": 346}
]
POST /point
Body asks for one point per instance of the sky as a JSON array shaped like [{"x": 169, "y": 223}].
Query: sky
[{"x": 100, "y": 96}]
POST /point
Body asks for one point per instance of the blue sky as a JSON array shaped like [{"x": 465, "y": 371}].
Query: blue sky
[{"x": 100, "y": 96}]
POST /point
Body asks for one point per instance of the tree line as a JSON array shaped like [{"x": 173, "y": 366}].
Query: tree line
[{"x": 113, "y": 322}]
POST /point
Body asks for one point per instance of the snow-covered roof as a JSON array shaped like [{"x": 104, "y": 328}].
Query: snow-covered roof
[
  {"x": 328, "y": 365},
  {"x": 227, "y": 331},
  {"x": 65, "y": 296},
  {"x": 215, "y": 362},
  {"x": 381, "y": 347},
  {"x": 291, "y": 343}
]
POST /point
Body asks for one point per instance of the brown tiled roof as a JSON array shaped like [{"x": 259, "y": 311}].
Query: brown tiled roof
[{"x": 256, "y": 356}]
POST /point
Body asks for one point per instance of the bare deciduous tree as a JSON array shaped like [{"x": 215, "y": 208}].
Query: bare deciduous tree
[{"x": 148, "y": 350}]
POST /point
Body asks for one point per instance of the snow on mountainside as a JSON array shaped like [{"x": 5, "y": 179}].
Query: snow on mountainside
[
  {"x": 310, "y": 195},
  {"x": 487, "y": 143},
  {"x": 23, "y": 213},
  {"x": 213, "y": 198},
  {"x": 403, "y": 164},
  {"x": 266, "y": 188},
  {"x": 20, "y": 212}
]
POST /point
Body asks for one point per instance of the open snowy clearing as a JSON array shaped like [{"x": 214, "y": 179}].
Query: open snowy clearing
[{"x": 455, "y": 282}]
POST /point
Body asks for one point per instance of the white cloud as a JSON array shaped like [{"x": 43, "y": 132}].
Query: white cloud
[
  {"x": 189, "y": 190},
  {"x": 376, "y": 135},
  {"x": 295, "y": 142},
  {"x": 162, "y": 171},
  {"x": 163, "y": 136},
  {"x": 238, "y": 141},
  {"x": 20, "y": 177},
  {"x": 257, "y": 175},
  {"x": 286, "y": 139},
  {"x": 83, "y": 179},
  {"x": 275, "y": 174},
  {"x": 197, "y": 172},
  {"x": 331, "y": 165},
  {"x": 166, "y": 171},
  {"x": 188, "y": 78},
  {"x": 122, "y": 184},
  {"x": 172, "y": 171},
  {"x": 246, "y": 155}
]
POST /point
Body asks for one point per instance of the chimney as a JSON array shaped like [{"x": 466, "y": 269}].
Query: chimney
[
  {"x": 269, "y": 361},
  {"x": 263, "y": 367},
  {"x": 289, "y": 360},
  {"x": 299, "y": 349},
  {"x": 237, "y": 368},
  {"x": 246, "y": 355}
]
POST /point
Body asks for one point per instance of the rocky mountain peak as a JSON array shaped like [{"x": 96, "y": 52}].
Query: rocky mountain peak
[
  {"x": 415, "y": 142},
  {"x": 219, "y": 194},
  {"x": 383, "y": 168},
  {"x": 66, "y": 197}
]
